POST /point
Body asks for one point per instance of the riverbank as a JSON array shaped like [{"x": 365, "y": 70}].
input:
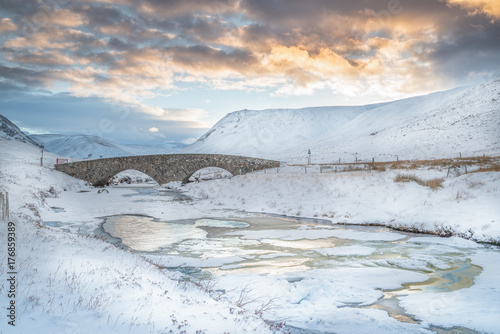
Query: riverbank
[{"x": 464, "y": 205}]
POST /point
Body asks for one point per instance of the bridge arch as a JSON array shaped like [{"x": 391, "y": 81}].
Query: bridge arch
[
  {"x": 162, "y": 168},
  {"x": 209, "y": 173},
  {"x": 130, "y": 176}
]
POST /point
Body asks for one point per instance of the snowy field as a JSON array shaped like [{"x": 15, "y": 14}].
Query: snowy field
[{"x": 72, "y": 282}]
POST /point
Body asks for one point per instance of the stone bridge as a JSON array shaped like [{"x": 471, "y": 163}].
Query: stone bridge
[{"x": 162, "y": 168}]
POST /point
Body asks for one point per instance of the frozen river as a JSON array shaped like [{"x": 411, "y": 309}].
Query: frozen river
[
  {"x": 310, "y": 274},
  {"x": 314, "y": 273}
]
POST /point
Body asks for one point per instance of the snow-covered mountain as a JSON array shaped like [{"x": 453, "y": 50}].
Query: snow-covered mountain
[
  {"x": 10, "y": 131},
  {"x": 443, "y": 124},
  {"x": 254, "y": 132},
  {"x": 80, "y": 146}
]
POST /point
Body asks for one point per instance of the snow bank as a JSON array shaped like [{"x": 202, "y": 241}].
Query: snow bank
[{"x": 466, "y": 205}]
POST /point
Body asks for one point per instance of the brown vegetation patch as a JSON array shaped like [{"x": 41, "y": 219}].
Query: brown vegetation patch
[{"x": 432, "y": 183}]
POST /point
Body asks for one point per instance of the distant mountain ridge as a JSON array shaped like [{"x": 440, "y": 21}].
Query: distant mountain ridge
[
  {"x": 10, "y": 131},
  {"x": 80, "y": 146}
]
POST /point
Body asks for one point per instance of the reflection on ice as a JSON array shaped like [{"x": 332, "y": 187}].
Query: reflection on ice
[
  {"x": 303, "y": 244},
  {"x": 309, "y": 266},
  {"x": 355, "y": 250},
  {"x": 220, "y": 223},
  {"x": 147, "y": 234}
]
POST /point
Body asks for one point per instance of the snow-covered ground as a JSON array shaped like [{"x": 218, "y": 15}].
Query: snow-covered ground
[
  {"x": 465, "y": 205},
  {"x": 72, "y": 282}
]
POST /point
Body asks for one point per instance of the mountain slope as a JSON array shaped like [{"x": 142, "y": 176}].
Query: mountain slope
[
  {"x": 10, "y": 131},
  {"x": 253, "y": 132},
  {"x": 445, "y": 124},
  {"x": 463, "y": 120}
]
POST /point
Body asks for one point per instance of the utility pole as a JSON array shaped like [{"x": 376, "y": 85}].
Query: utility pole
[
  {"x": 309, "y": 158},
  {"x": 41, "y": 159}
]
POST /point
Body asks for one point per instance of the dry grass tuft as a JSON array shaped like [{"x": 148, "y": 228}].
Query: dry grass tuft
[
  {"x": 433, "y": 183},
  {"x": 492, "y": 168}
]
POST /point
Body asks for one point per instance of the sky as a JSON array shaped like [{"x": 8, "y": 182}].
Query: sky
[{"x": 157, "y": 71}]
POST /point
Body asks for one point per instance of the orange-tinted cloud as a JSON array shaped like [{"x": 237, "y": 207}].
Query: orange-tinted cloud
[
  {"x": 488, "y": 7},
  {"x": 128, "y": 51},
  {"x": 7, "y": 25}
]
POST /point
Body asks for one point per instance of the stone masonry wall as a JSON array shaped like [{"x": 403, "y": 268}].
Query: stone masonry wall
[{"x": 162, "y": 168}]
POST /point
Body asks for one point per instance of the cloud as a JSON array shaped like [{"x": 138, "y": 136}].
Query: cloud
[
  {"x": 7, "y": 25},
  {"x": 153, "y": 129},
  {"x": 39, "y": 58},
  {"x": 188, "y": 141},
  {"x": 67, "y": 18},
  {"x": 489, "y": 8},
  {"x": 20, "y": 76},
  {"x": 131, "y": 52},
  {"x": 175, "y": 8},
  {"x": 195, "y": 117}
]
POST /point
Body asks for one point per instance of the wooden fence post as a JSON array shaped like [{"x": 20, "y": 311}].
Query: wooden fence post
[{"x": 4, "y": 206}]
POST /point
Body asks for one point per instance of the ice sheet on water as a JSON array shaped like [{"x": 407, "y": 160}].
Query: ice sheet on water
[
  {"x": 416, "y": 263},
  {"x": 354, "y": 250},
  {"x": 275, "y": 255},
  {"x": 319, "y": 233},
  {"x": 303, "y": 244},
  {"x": 146, "y": 234},
  {"x": 219, "y": 247},
  {"x": 317, "y": 299},
  {"x": 220, "y": 223},
  {"x": 452, "y": 241}
]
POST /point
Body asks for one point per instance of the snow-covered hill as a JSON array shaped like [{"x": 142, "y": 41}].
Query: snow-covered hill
[
  {"x": 10, "y": 131},
  {"x": 444, "y": 124},
  {"x": 80, "y": 146},
  {"x": 252, "y": 132}
]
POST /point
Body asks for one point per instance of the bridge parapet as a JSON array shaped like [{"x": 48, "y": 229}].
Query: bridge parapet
[{"x": 162, "y": 168}]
